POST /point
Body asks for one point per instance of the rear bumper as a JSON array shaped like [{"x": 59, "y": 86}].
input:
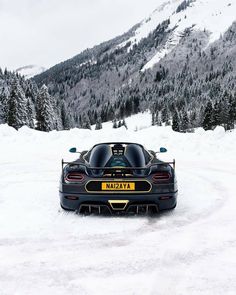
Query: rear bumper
[{"x": 162, "y": 201}]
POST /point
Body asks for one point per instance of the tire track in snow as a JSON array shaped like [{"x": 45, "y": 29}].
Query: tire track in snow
[{"x": 120, "y": 248}]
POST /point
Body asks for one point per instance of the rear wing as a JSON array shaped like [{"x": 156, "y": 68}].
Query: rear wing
[{"x": 121, "y": 169}]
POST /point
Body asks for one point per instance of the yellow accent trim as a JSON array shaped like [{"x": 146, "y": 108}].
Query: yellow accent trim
[
  {"x": 125, "y": 202},
  {"x": 120, "y": 192},
  {"x": 117, "y": 167},
  {"x": 118, "y": 186}
]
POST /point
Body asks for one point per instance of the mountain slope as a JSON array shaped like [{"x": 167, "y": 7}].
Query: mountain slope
[
  {"x": 177, "y": 60},
  {"x": 211, "y": 15}
]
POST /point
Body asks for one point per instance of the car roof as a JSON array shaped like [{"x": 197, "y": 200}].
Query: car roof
[{"x": 117, "y": 142}]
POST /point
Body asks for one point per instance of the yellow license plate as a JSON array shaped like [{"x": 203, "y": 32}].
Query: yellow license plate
[{"x": 118, "y": 186}]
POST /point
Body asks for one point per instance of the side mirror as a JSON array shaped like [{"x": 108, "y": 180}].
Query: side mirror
[
  {"x": 73, "y": 150},
  {"x": 163, "y": 150}
]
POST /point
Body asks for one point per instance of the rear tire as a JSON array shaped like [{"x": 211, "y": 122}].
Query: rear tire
[
  {"x": 169, "y": 209},
  {"x": 66, "y": 209}
]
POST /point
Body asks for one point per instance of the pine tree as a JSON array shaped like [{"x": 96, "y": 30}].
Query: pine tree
[
  {"x": 115, "y": 124},
  {"x": 30, "y": 113},
  {"x": 3, "y": 107},
  {"x": 65, "y": 118},
  {"x": 85, "y": 122},
  {"x": 153, "y": 119},
  {"x": 192, "y": 119},
  {"x": 164, "y": 114},
  {"x": 57, "y": 117},
  {"x": 232, "y": 111},
  {"x": 45, "y": 115},
  {"x": 225, "y": 112},
  {"x": 158, "y": 118},
  {"x": 135, "y": 104},
  {"x": 128, "y": 107},
  {"x": 184, "y": 121},
  {"x": 208, "y": 114},
  {"x": 98, "y": 125},
  {"x": 216, "y": 114},
  {"x": 175, "y": 122},
  {"x": 110, "y": 113},
  {"x": 124, "y": 124},
  {"x": 17, "y": 107}
]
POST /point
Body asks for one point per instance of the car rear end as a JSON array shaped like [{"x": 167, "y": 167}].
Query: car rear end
[{"x": 118, "y": 190}]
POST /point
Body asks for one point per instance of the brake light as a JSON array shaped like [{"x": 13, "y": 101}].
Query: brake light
[
  {"x": 163, "y": 198},
  {"x": 74, "y": 177},
  {"x": 72, "y": 198},
  {"x": 161, "y": 176}
]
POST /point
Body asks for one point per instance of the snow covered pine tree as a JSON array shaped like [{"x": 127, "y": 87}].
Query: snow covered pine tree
[
  {"x": 17, "y": 107},
  {"x": 45, "y": 114}
]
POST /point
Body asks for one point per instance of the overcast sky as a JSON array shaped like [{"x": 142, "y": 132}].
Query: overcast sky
[{"x": 45, "y": 32}]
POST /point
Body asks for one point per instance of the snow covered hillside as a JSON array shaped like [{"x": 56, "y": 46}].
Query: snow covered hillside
[
  {"x": 175, "y": 62},
  {"x": 30, "y": 71},
  {"x": 190, "y": 250},
  {"x": 209, "y": 15}
]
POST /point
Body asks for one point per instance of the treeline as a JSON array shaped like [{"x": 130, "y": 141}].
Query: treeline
[
  {"x": 22, "y": 103},
  {"x": 219, "y": 113},
  {"x": 108, "y": 82},
  {"x": 213, "y": 104},
  {"x": 192, "y": 86},
  {"x": 182, "y": 114}
]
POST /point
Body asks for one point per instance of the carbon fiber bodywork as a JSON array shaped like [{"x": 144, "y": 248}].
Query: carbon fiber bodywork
[{"x": 149, "y": 195}]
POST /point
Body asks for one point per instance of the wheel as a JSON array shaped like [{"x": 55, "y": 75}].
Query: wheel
[
  {"x": 66, "y": 209},
  {"x": 173, "y": 207},
  {"x": 169, "y": 209}
]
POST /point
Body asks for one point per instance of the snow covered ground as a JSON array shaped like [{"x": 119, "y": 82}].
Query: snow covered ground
[{"x": 191, "y": 250}]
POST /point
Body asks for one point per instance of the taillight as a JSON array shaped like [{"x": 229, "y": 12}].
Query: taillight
[
  {"x": 74, "y": 177},
  {"x": 161, "y": 176},
  {"x": 72, "y": 198},
  {"x": 163, "y": 198}
]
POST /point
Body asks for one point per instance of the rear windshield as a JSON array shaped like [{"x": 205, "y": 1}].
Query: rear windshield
[
  {"x": 100, "y": 155},
  {"x": 135, "y": 155},
  {"x": 104, "y": 155}
]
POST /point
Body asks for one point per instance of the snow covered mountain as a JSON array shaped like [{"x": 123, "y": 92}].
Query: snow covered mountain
[
  {"x": 30, "y": 71},
  {"x": 174, "y": 62},
  {"x": 208, "y": 15}
]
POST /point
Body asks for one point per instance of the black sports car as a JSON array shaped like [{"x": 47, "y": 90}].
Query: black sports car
[{"x": 118, "y": 177}]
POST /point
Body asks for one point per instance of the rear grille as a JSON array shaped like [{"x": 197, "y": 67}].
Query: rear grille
[
  {"x": 143, "y": 209},
  {"x": 135, "y": 208},
  {"x": 116, "y": 173}
]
